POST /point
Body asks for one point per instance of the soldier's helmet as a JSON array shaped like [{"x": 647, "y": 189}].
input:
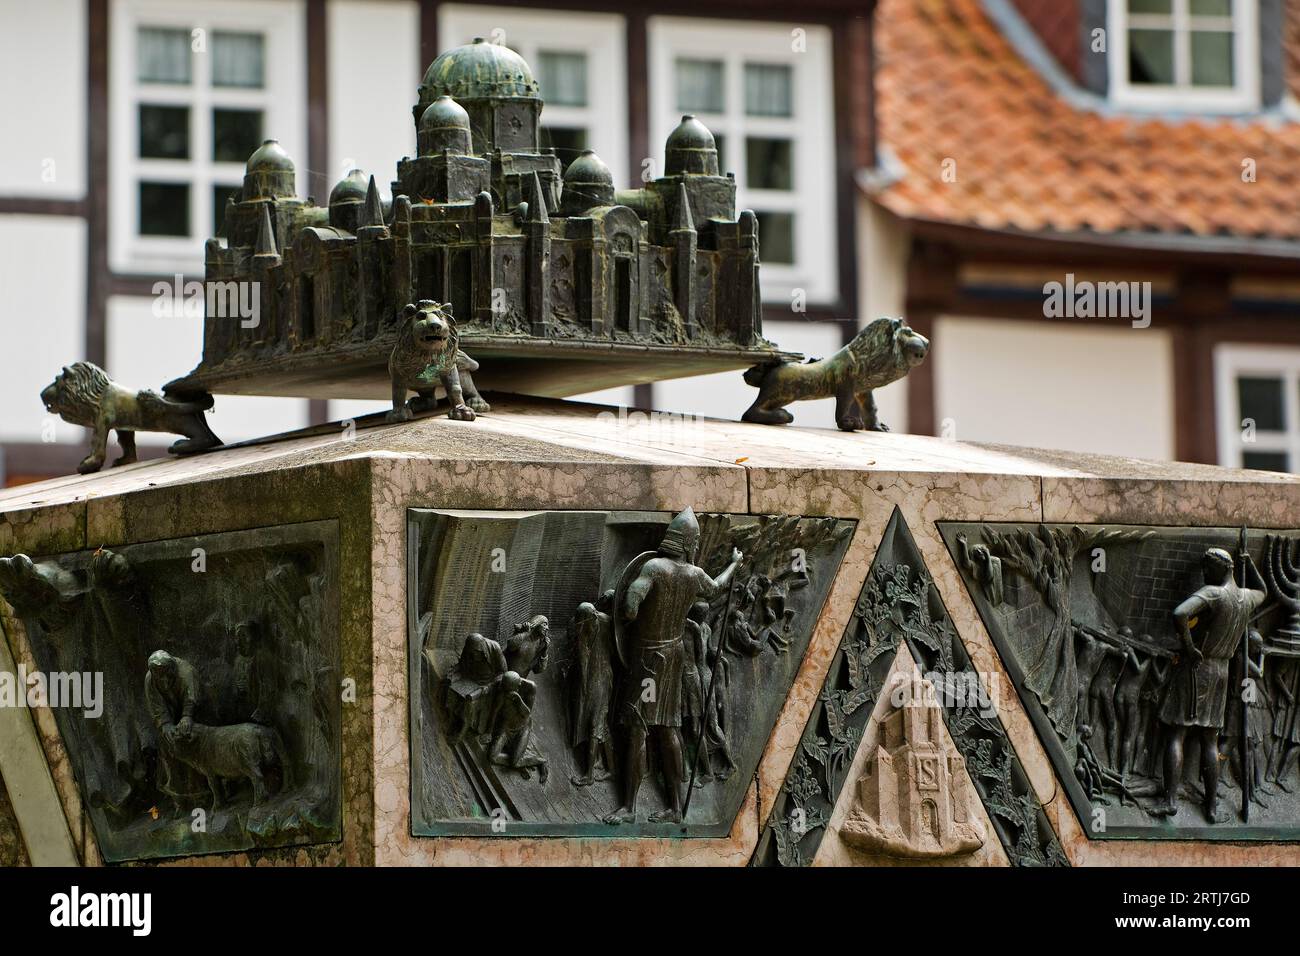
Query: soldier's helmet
[{"x": 683, "y": 535}]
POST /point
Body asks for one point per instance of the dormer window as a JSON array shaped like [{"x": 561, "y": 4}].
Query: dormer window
[{"x": 1200, "y": 55}]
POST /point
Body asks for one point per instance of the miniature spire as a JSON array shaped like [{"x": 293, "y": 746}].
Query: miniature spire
[
  {"x": 266, "y": 236},
  {"x": 537, "y": 211},
  {"x": 373, "y": 213},
  {"x": 685, "y": 243},
  {"x": 683, "y": 221}
]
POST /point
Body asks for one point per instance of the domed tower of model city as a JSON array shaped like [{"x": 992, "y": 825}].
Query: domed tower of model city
[{"x": 485, "y": 218}]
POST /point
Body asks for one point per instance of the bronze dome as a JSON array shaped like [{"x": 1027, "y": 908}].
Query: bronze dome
[{"x": 479, "y": 70}]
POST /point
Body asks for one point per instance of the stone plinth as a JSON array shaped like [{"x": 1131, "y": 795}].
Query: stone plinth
[{"x": 333, "y": 511}]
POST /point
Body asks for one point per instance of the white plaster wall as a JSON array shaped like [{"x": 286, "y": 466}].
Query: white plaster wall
[
  {"x": 342, "y": 409},
  {"x": 1073, "y": 387},
  {"x": 43, "y": 98},
  {"x": 375, "y": 70},
  {"x": 42, "y": 319},
  {"x": 884, "y": 244},
  {"x": 622, "y": 396},
  {"x": 147, "y": 351},
  {"x": 815, "y": 273}
]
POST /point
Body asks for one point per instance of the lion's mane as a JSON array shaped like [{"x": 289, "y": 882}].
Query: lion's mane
[{"x": 79, "y": 392}]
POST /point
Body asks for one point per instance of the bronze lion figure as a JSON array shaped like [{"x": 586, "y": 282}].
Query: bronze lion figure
[
  {"x": 427, "y": 354},
  {"x": 83, "y": 394},
  {"x": 883, "y": 352}
]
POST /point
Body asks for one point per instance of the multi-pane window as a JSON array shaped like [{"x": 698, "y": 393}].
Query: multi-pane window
[
  {"x": 577, "y": 60},
  {"x": 201, "y": 142},
  {"x": 1258, "y": 392},
  {"x": 565, "y": 87},
  {"x": 765, "y": 94},
  {"x": 1194, "y": 52},
  {"x": 757, "y": 134},
  {"x": 195, "y": 92}
]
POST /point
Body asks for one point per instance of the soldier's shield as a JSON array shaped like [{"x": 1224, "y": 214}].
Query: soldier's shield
[{"x": 625, "y": 580}]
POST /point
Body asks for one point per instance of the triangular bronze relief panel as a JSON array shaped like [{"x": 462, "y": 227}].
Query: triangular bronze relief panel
[{"x": 899, "y": 605}]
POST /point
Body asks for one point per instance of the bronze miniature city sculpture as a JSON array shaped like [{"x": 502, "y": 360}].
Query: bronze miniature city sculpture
[
  {"x": 566, "y": 284},
  {"x": 559, "y": 283}
]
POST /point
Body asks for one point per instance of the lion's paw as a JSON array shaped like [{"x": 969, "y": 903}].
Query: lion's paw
[
  {"x": 402, "y": 414},
  {"x": 461, "y": 413}
]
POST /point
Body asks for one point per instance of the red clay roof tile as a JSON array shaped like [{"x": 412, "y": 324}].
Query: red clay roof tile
[{"x": 950, "y": 85}]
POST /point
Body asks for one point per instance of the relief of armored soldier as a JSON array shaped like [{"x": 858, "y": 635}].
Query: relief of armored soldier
[
  {"x": 1198, "y": 690},
  {"x": 655, "y": 596}
]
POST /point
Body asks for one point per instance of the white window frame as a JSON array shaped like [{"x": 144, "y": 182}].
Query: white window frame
[
  {"x": 1242, "y": 97},
  {"x": 811, "y": 129},
  {"x": 282, "y": 100},
  {"x": 1234, "y": 361},
  {"x": 601, "y": 37}
]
